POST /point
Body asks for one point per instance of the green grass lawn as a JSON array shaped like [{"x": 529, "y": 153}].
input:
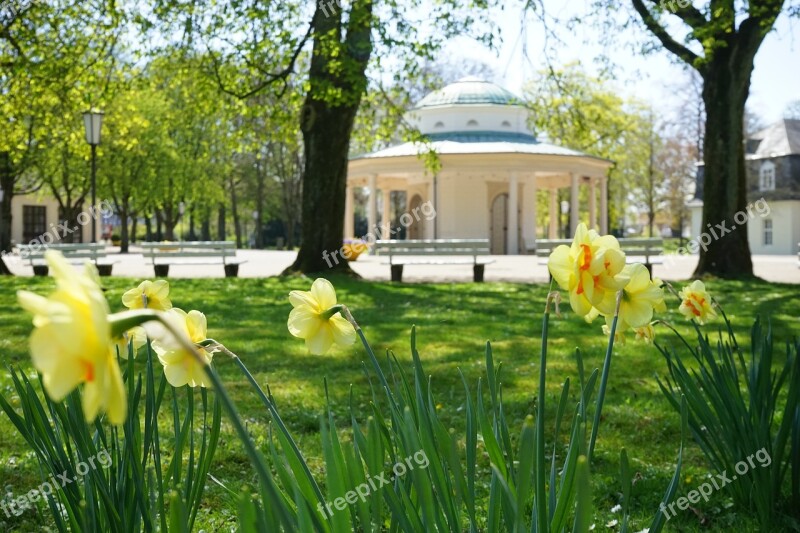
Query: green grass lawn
[{"x": 453, "y": 323}]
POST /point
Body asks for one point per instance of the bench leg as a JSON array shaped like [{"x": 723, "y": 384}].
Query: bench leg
[
  {"x": 40, "y": 270},
  {"x": 162, "y": 271},
  {"x": 232, "y": 271},
  {"x": 649, "y": 267},
  {"x": 477, "y": 273},
  {"x": 397, "y": 273},
  {"x": 105, "y": 270}
]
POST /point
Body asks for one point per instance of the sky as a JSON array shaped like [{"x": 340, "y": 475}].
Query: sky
[{"x": 653, "y": 78}]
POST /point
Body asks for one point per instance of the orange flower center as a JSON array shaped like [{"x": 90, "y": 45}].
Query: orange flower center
[
  {"x": 586, "y": 257},
  {"x": 88, "y": 370}
]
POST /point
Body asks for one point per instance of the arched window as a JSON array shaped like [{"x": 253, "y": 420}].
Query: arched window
[
  {"x": 472, "y": 123},
  {"x": 439, "y": 124},
  {"x": 766, "y": 181},
  {"x": 506, "y": 124}
]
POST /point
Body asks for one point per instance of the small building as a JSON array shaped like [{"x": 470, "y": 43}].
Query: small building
[
  {"x": 492, "y": 169},
  {"x": 36, "y": 219},
  {"x": 772, "y": 164}
]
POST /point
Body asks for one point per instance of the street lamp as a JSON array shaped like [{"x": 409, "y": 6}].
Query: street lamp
[{"x": 92, "y": 120}]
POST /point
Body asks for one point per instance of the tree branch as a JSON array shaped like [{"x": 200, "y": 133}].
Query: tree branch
[
  {"x": 270, "y": 78},
  {"x": 686, "y": 55}
]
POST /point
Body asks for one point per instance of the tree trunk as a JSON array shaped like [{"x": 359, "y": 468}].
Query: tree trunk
[
  {"x": 148, "y": 229},
  {"x": 725, "y": 92},
  {"x": 326, "y": 128},
  {"x": 169, "y": 223},
  {"x": 221, "y": 231},
  {"x": 124, "y": 235},
  {"x": 7, "y": 184},
  {"x": 192, "y": 234},
  {"x": 237, "y": 226},
  {"x": 134, "y": 226},
  {"x": 205, "y": 227},
  {"x": 159, "y": 225}
]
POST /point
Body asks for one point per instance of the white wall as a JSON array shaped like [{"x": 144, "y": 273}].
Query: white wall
[
  {"x": 490, "y": 117},
  {"x": 785, "y": 217},
  {"x": 462, "y": 211},
  {"x": 17, "y": 204}
]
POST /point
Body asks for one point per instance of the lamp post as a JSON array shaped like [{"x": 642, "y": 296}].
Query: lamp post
[{"x": 92, "y": 121}]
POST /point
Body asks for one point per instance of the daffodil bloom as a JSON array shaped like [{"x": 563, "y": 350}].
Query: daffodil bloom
[
  {"x": 619, "y": 334},
  {"x": 646, "y": 333},
  {"x": 315, "y": 319},
  {"x": 696, "y": 302},
  {"x": 589, "y": 270},
  {"x": 640, "y": 297},
  {"x": 148, "y": 295},
  {"x": 72, "y": 343},
  {"x": 137, "y": 336},
  {"x": 181, "y": 367}
]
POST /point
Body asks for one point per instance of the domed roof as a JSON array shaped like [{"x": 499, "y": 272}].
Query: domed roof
[{"x": 469, "y": 90}]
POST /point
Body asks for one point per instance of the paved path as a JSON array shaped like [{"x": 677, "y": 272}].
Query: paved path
[{"x": 263, "y": 263}]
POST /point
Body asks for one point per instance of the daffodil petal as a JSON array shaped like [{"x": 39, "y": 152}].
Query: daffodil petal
[{"x": 324, "y": 293}]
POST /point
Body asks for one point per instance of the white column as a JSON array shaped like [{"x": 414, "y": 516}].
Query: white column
[
  {"x": 349, "y": 223},
  {"x": 513, "y": 219},
  {"x": 573, "y": 205},
  {"x": 386, "y": 224},
  {"x": 372, "y": 208},
  {"x": 592, "y": 204},
  {"x": 603, "y": 205},
  {"x": 552, "y": 232},
  {"x": 529, "y": 213}
]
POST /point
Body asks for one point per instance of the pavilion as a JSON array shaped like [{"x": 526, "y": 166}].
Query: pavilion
[{"x": 492, "y": 168}]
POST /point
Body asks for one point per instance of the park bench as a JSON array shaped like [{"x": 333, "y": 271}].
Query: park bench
[
  {"x": 164, "y": 254},
  {"x": 651, "y": 249},
  {"x": 434, "y": 252},
  {"x": 73, "y": 252}
]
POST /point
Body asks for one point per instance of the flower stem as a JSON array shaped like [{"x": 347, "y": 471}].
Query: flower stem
[
  {"x": 540, "y": 499},
  {"x": 267, "y": 401},
  {"x": 347, "y": 315},
  {"x": 264, "y": 476},
  {"x": 604, "y": 379}
]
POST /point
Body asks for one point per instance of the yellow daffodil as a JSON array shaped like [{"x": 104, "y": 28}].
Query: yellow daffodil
[
  {"x": 181, "y": 367},
  {"x": 315, "y": 319},
  {"x": 646, "y": 333},
  {"x": 72, "y": 343},
  {"x": 148, "y": 295},
  {"x": 137, "y": 336},
  {"x": 640, "y": 297},
  {"x": 696, "y": 302},
  {"x": 619, "y": 335},
  {"x": 589, "y": 270}
]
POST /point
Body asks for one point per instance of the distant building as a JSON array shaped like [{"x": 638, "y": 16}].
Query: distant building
[
  {"x": 772, "y": 163},
  {"x": 492, "y": 168},
  {"x": 35, "y": 218}
]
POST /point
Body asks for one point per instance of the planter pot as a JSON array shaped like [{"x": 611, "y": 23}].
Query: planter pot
[
  {"x": 351, "y": 251},
  {"x": 231, "y": 271}
]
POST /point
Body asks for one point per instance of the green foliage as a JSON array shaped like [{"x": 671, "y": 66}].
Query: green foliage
[
  {"x": 738, "y": 408},
  {"x": 437, "y": 494},
  {"x": 151, "y": 477},
  {"x": 573, "y": 109}
]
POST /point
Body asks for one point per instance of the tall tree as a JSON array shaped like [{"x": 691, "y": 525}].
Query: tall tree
[
  {"x": 719, "y": 39},
  {"x": 346, "y": 40}
]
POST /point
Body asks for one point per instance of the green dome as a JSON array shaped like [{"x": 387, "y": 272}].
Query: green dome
[{"x": 469, "y": 91}]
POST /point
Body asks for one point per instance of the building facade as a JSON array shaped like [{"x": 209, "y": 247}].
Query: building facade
[{"x": 772, "y": 164}]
